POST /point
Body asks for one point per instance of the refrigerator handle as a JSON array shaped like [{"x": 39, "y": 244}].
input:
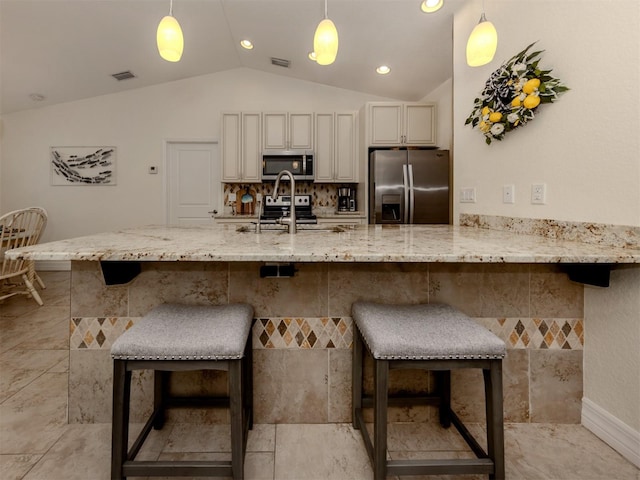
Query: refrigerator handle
[
  {"x": 412, "y": 197},
  {"x": 405, "y": 184}
]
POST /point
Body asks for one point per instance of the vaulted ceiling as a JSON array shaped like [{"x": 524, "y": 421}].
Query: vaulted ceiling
[{"x": 67, "y": 50}]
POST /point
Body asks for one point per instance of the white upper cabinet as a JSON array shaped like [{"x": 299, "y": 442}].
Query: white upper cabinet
[
  {"x": 402, "y": 124},
  {"x": 287, "y": 131},
  {"x": 335, "y": 152},
  {"x": 240, "y": 147}
]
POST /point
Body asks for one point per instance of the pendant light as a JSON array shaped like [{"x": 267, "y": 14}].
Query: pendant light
[
  {"x": 169, "y": 37},
  {"x": 325, "y": 40},
  {"x": 482, "y": 43}
]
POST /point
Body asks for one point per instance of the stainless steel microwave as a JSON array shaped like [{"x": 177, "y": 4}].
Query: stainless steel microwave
[{"x": 298, "y": 162}]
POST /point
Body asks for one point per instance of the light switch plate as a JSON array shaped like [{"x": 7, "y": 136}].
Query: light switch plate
[
  {"x": 508, "y": 194},
  {"x": 468, "y": 195}
]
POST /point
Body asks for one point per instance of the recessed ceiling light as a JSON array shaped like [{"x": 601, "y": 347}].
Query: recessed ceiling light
[
  {"x": 383, "y": 69},
  {"x": 36, "y": 97},
  {"x": 246, "y": 44},
  {"x": 313, "y": 56},
  {"x": 430, "y": 6}
]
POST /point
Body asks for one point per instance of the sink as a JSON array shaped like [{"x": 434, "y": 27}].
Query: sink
[{"x": 302, "y": 228}]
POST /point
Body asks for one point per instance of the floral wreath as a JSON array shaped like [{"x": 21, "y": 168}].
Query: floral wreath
[{"x": 512, "y": 95}]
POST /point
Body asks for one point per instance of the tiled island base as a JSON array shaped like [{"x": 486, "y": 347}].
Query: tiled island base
[{"x": 303, "y": 332}]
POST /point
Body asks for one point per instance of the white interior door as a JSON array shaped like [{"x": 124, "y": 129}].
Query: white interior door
[{"x": 193, "y": 182}]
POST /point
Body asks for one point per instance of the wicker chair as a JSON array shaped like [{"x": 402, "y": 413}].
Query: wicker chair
[
  {"x": 20, "y": 228},
  {"x": 33, "y": 275}
]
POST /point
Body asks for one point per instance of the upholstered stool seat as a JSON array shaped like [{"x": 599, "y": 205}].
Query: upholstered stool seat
[
  {"x": 433, "y": 337},
  {"x": 183, "y": 338}
]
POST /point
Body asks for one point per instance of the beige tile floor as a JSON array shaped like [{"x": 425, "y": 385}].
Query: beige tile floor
[{"x": 37, "y": 443}]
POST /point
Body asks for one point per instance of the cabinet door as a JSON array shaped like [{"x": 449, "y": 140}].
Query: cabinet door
[
  {"x": 251, "y": 152},
  {"x": 300, "y": 131},
  {"x": 274, "y": 133},
  {"x": 324, "y": 152},
  {"x": 231, "y": 146},
  {"x": 345, "y": 148},
  {"x": 419, "y": 124},
  {"x": 386, "y": 123},
  {"x": 288, "y": 131}
]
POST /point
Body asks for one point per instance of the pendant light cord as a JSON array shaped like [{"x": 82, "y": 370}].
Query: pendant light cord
[
  {"x": 171, "y": 8},
  {"x": 325, "y": 9}
]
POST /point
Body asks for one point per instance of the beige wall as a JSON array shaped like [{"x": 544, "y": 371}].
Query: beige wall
[
  {"x": 138, "y": 122},
  {"x": 443, "y": 97},
  {"x": 613, "y": 352},
  {"x": 585, "y": 148}
]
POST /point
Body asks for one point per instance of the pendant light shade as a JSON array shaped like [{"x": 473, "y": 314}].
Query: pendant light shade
[
  {"x": 482, "y": 43},
  {"x": 325, "y": 40},
  {"x": 169, "y": 38}
]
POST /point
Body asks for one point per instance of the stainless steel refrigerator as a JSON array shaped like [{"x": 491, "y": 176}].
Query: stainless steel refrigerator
[{"x": 409, "y": 186}]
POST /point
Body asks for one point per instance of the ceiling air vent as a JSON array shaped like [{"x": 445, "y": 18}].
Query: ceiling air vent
[
  {"x": 123, "y": 75},
  {"x": 280, "y": 62}
]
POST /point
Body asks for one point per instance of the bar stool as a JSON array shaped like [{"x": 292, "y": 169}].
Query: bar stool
[
  {"x": 432, "y": 337},
  {"x": 183, "y": 338}
]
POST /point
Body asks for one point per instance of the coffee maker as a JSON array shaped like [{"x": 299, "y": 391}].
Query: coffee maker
[{"x": 346, "y": 199}]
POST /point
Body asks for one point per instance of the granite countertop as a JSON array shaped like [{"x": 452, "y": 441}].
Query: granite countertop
[{"x": 356, "y": 243}]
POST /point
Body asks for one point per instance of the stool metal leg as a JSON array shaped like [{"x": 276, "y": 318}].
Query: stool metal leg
[
  {"x": 443, "y": 385},
  {"x": 120, "y": 418},
  {"x": 495, "y": 420},
  {"x": 247, "y": 376},
  {"x": 237, "y": 428},
  {"x": 380, "y": 404},
  {"x": 160, "y": 393},
  {"x": 356, "y": 374}
]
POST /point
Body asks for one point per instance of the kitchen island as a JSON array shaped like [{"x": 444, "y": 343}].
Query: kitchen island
[{"x": 516, "y": 285}]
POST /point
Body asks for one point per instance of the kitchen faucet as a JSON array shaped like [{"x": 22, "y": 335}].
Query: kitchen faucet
[
  {"x": 258, "y": 212},
  {"x": 291, "y": 221}
]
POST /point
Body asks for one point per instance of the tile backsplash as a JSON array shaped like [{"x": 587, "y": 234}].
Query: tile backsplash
[{"x": 324, "y": 195}]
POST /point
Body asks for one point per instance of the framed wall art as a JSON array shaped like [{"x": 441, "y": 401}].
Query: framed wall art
[{"x": 83, "y": 165}]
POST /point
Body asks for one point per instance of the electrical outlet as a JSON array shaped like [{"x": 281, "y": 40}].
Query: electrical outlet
[
  {"x": 508, "y": 194},
  {"x": 539, "y": 193},
  {"x": 468, "y": 195}
]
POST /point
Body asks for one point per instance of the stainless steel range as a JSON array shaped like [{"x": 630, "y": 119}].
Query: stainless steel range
[{"x": 281, "y": 207}]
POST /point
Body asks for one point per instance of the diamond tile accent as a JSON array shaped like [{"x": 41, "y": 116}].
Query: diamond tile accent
[
  {"x": 95, "y": 333},
  {"x": 303, "y": 333},
  {"x": 538, "y": 333},
  {"x": 337, "y": 332}
]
